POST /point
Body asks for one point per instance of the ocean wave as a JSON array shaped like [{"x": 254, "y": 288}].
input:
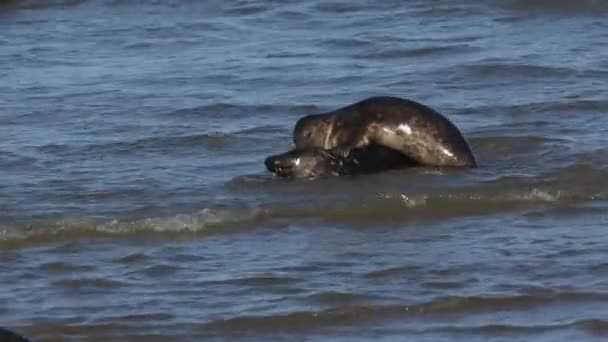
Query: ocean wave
[
  {"x": 508, "y": 193},
  {"x": 596, "y": 327},
  {"x": 357, "y": 314},
  {"x": 205, "y": 220}
]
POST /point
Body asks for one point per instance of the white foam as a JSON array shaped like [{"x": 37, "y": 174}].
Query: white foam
[{"x": 195, "y": 222}]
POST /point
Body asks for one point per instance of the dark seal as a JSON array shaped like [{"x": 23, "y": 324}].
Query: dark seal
[
  {"x": 411, "y": 128},
  {"x": 9, "y": 336},
  {"x": 320, "y": 163}
]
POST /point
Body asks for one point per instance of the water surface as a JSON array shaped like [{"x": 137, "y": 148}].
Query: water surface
[{"x": 134, "y": 203}]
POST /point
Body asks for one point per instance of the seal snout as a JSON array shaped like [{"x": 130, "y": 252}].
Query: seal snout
[
  {"x": 280, "y": 164},
  {"x": 273, "y": 163}
]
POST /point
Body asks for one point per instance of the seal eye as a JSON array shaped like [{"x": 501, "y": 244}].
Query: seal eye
[{"x": 308, "y": 134}]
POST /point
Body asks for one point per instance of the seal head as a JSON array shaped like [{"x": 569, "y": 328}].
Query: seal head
[{"x": 303, "y": 164}]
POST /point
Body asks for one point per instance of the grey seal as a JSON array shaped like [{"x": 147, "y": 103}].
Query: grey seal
[{"x": 411, "y": 128}]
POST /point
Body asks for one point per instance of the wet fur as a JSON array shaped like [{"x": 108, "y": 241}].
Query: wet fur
[
  {"x": 430, "y": 138},
  {"x": 9, "y": 336},
  {"x": 320, "y": 163}
]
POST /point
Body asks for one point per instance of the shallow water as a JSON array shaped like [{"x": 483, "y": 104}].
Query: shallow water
[{"x": 134, "y": 203}]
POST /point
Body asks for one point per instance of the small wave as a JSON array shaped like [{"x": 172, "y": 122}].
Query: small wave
[
  {"x": 162, "y": 270},
  {"x": 596, "y": 327},
  {"x": 355, "y": 314},
  {"x": 392, "y": 271},
  {"x": 132, "y": 258},
  {"x": 206, "y": 220},
  {"x": 64, "y": 267},
  {"x": 255, "y": 281},
  {"x": 245, "y": 10},
  {"x": 333, "y": 298},
  {"x": 88, "y": 284}
]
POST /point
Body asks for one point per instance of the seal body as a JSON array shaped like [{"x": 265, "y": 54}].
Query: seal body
[
  {"x": 315, "y": 163},
  {"x": 411, "y": 128}
]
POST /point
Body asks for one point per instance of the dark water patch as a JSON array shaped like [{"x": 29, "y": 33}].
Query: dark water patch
[
  {"x": 257, "y": 281},
  {"x": 431, "y": 51},
  {"x": 444, "y": 285},
  {"x": 39, "y": 4},
  {"x": 182, "y": 257},
  {"x": 601, "y": 268},
  {"x": 288, "y": 55},
  {"x": 346, "y": 43},
  {"x": 301, "y": 269},
  {"x": 60, "y": 267},
  {"x": 340, "y": 7},
  {"x": 144, "y": 317},
  {"x": 88, "y": 284},
  {"x": 504, "y": 70},
  {"x": 245, "y": 9},
  {"x": 158, "y": 330},
  {"x": 596, "y": 327},
  {"x": 9, "y": 160},
  {"x": 333, "y": 298},
  {"x": 446, "y": 10},
  {"x": 563, "y": 7},
  {"x": 392, "y": 271},
  {"x": 162, "y": 270},
  {"x": 134, "y": 258}
]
